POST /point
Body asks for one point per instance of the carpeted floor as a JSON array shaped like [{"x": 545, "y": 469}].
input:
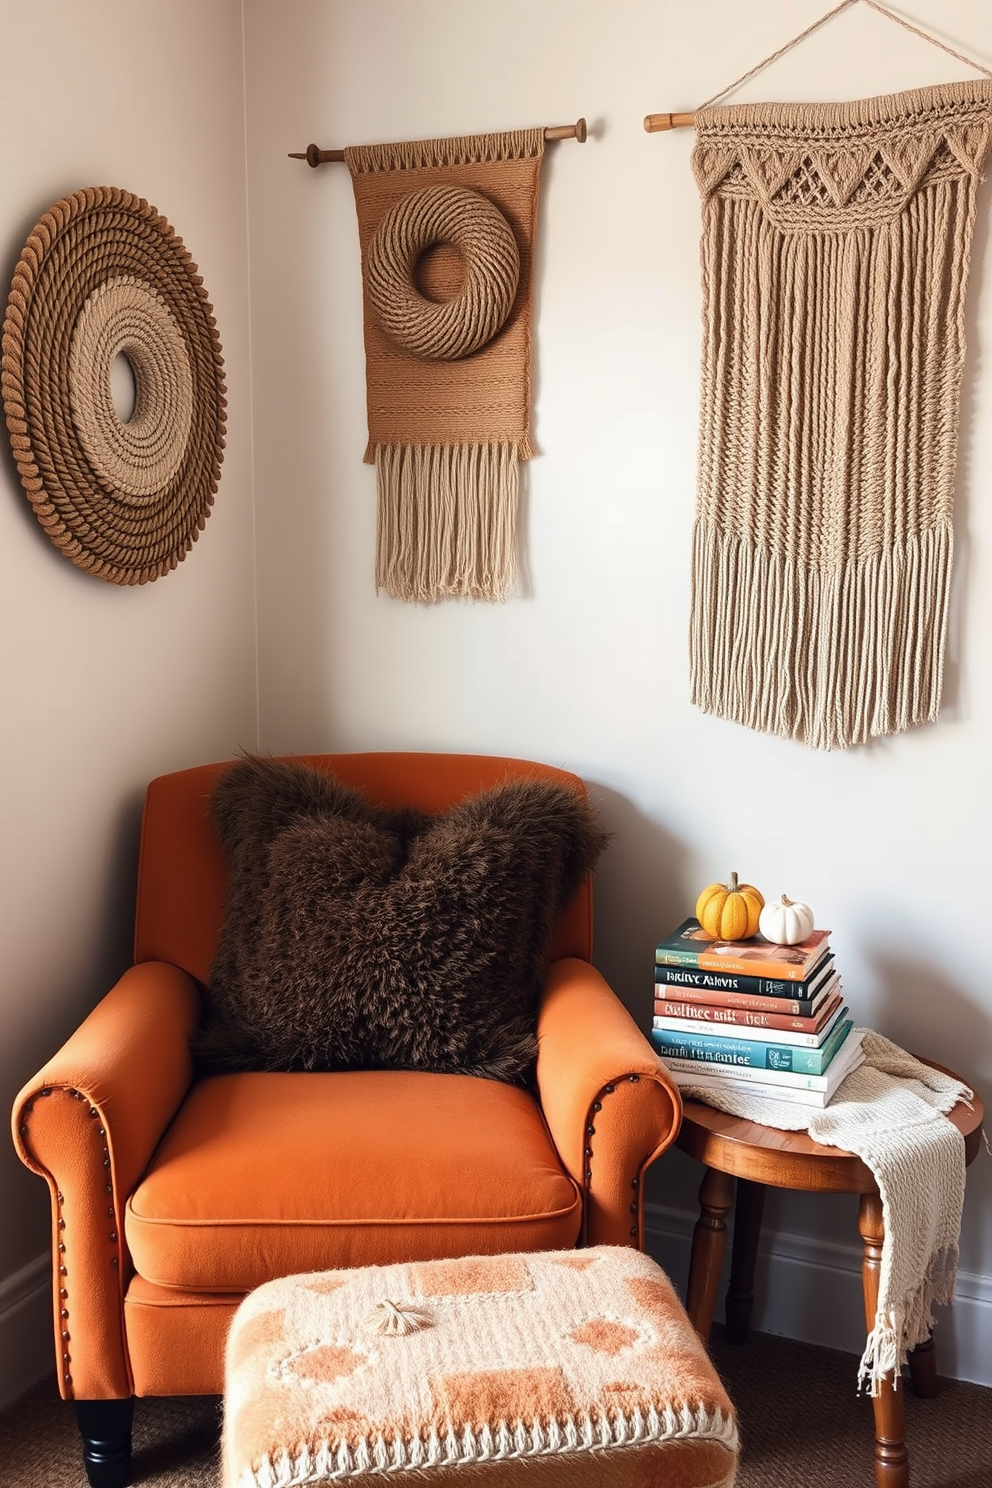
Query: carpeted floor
[{"x": 801, "y": 1420}]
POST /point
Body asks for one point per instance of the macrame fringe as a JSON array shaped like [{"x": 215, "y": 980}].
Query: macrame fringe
[
  {"x": 895, "y": 1334},
  {"x": 468, "y": 149},
  {"x": 835, "y": 256},
  {"x": 447, "y": 521},
  {"x": 832, "y": 657}
]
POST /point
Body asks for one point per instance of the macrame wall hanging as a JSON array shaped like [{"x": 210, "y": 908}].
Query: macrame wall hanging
[
  {"x": 836, "y": 241},
  {"x": 103, "y": 274},
  {"x": 447, "y": 229}
]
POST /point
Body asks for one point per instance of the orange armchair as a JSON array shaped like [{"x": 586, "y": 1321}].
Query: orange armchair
[{"x": 172, "y": 1197}]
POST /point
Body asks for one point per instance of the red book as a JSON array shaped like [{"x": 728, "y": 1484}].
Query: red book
[{"x": 717, "y": 1017}]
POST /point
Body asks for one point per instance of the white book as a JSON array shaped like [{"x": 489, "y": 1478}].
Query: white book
[
  {"x": 838, "y": 1067},
  {"x": 817, "y": 1098}
]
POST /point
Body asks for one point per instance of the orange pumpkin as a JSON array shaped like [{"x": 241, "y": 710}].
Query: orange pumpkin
[{"x": 729, "y": 911}]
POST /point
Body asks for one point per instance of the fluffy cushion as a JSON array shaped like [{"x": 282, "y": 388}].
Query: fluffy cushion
[{"x": 362, "y": 938}]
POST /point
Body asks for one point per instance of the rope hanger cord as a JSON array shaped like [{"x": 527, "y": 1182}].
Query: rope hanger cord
[
  {"x": 314, "y": 155},
  {"x": 654, "y": 123}
]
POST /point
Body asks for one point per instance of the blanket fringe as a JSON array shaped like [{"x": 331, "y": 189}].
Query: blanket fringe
[
  {"x": 447, "y": 520},
  {"x": 895, "y": 1334}
]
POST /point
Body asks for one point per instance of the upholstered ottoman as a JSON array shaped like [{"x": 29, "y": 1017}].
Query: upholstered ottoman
[{"x": 559, "y": 1369}]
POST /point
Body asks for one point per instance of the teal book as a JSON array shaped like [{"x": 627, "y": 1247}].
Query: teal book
[{"x": 758, "y": 1054}]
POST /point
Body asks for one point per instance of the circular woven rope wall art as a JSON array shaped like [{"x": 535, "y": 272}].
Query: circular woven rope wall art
[
  {"x": 103, "y": 274},
  {"x": 473, "y": 225}
]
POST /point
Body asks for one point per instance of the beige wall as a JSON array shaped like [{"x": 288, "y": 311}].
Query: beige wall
[
  {"x": 103, "y": 687},
  {"x": 587, "y": 666}
]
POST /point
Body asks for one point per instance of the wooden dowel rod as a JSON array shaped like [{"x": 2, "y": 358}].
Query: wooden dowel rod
[
  {"x": 576, "y": 131},
  {"x": 654, "y": 123},
  {"x": 314, "y": 156}
]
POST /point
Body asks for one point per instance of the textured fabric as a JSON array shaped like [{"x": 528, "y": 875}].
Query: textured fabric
[
  {"x": 361, "y": 938},
  {"x": 261, "y": 1175},
  {"x": 175, "y": 1339},
  {"x": 182, "y": 875},
  {"x": 835, "y": 254},
  {"x": 585, "y": 1361},
  {"x": 610, "y": 1105},
  {"x": 890, "y": 1113},
  {"x": 447, "y": 436},
  {"x": 89, "y": 1123}
]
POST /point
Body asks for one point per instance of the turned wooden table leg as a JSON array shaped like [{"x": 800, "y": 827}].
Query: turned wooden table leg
[
  {"x": 891, "y": 1460},
  {"x": 923, "y": 1369},
  {"x": 709, "y": 1245},
  {"x": 747, "y": 1232}
]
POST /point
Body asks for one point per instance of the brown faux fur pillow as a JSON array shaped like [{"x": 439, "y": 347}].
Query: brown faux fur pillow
[{"x": 362, "y": 938}]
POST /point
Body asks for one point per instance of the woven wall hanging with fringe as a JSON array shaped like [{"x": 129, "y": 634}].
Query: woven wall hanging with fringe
[
  {"x": 836, "y": 242},
  {"x": 103, "y": 274},
  {"x": 447, "y": 237}
]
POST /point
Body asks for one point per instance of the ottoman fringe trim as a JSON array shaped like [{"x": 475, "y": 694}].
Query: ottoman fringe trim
[
  {"x": 832, "y": 656},
  {"x": 447, "y": 519},
  {"x": 586, "y": 1432}
]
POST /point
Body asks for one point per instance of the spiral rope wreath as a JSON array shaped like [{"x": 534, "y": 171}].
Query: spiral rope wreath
[
  {"x": 102, "y": 274},
  {"x": 477, "y": 229}
]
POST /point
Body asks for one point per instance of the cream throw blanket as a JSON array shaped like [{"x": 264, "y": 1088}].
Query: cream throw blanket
[{"x": 890, "y": 1113}]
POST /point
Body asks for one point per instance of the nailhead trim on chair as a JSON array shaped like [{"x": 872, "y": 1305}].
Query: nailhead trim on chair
[
  {"x": 101, "y": 1132},
  {"x": 594, "y": 1109}
]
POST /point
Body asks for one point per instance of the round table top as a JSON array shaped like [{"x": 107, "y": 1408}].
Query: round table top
[{"x": 791, "y": 1159}]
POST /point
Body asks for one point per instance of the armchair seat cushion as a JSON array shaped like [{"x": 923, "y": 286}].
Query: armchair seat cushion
[{"x": 264, "y": 1175}]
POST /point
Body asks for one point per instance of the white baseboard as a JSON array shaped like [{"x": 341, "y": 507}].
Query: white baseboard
[
  {"x": 25, "y": 1328},
  {"x": 810, "y": 1290}
]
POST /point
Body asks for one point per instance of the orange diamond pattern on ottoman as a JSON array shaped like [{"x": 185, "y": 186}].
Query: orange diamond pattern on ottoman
[{"x": 490, "y": 1370}]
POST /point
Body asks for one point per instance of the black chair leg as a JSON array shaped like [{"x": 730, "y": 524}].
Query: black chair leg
[{"x": 105, "y": 1426}]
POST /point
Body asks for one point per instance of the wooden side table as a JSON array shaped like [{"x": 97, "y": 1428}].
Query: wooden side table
[{"x": 731, "y": 1148}]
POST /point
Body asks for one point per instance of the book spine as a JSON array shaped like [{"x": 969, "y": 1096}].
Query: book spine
[
  {"x": 785, "y": 1058},
  {"x": 797, "y": 1007},
  {"x": 694, "y": 1018},
  {"x": 752, "y": 966},
  {"x": 744, "y": 1071},
  {"x": 684, "y": 977}
]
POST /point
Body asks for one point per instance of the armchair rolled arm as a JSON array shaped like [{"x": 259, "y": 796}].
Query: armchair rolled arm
[
  {"x": 608, "y": 1101},
  {"x": 88, "y": 1124}
]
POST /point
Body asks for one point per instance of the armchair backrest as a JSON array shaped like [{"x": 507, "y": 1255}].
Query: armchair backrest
[{"x": 182, "y": 874}]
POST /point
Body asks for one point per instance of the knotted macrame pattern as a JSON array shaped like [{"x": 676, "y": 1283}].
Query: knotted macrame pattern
[{"x": 836, "y": 244}]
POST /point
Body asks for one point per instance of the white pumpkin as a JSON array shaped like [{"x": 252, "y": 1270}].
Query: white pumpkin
[{"x": 786, "y": 921}]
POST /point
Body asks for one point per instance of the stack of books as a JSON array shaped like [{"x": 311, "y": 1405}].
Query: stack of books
[{"x": 754, "y": 1016}]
